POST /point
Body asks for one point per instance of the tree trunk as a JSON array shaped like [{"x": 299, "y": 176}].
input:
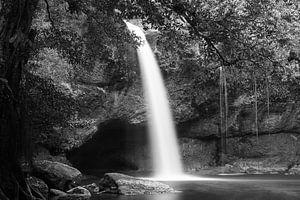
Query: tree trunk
[{"x": 16, "y": 38}]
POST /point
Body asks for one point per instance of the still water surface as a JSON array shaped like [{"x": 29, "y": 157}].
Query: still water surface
[{"x": 254, "y": 187}]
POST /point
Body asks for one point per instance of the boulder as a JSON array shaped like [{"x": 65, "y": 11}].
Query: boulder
[
  {"x": 77, "y": 193},
  {"x": 38, "y": 186},
  {"x": 56, "y": 175},
  {"x": 56, "y": 194},
  {"x": 127, "y": 185},
  {"x": 93, "y": 188}
]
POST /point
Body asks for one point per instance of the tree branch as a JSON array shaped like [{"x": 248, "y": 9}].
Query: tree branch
[
  {"x": 184, "y": 13},
  {"x": 49, "y": 13},
  {"x": 190, "y": 17}
]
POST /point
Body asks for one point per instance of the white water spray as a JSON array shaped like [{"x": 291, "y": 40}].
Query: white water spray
[{"x": 165, "y": 151}]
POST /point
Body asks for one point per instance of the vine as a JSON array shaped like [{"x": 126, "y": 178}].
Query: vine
[
  {"x": 223, "y": 104},
  {"x": 255, "y": 107}
]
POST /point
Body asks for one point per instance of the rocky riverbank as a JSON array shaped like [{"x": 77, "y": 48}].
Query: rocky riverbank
[{"x": 58, "y": 181}]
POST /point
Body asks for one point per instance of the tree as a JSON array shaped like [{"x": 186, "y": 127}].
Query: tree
[
  {"x": 16, "y": 39},
  {"x": 16, "y": 42}
]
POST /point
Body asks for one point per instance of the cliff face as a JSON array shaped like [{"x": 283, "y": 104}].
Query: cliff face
[
  {"x": 114, "y": 135},
  {"x": 276, "y": 146}
]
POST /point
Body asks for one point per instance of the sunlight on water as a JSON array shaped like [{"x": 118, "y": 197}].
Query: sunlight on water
[{"x": 165, "y": 151}]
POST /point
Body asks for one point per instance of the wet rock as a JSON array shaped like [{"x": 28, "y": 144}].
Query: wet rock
[
  {"x": 197, "y": 154},
  {"x": 269, "y": 154},
  {"x": 93, "y": 188},
  {"x": 282, "y": 118},
  {"x": 56, "y": 194},
  {"x": 221, "y": 170},
  {"x": 77, "y": 193},
  {"x": 128, "y": 185},
  {"x": 261, "y": 166},
  {"x": 230, "y": 169},
  {"x": 295, "y": 170},
  {"x": 56, "y": 175},
  {"x": 38, "y": 186}
]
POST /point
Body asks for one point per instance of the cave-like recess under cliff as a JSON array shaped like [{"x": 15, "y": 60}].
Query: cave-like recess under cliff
[{"x": 116, "y": 146}]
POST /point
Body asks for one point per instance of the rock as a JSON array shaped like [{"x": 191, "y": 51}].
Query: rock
[
  {"x": 56, "y": 194},
  {"x": 93, "y": 188},
  {"x": 252, "y": 170},
  {"x": 196, "y": 154},
  {"x": 261, "y": 166},
  {"x": 42, "y": 153},
  {"x": 281, "y": 146},
  {"x": 230, "y": 169},
  {"x": 270, "y": 154},
  {"x": 56, "y": 175},
  {"x": 221, "y": 170},
  {"x": 127, "y": 185},
  {"x": 77, "y": 193},
  {"x": 282, "y": 118},
  {"x": 295, "y": 170},
  {"x": 38, "y": 186}
]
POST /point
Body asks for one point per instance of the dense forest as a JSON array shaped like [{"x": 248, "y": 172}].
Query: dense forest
[{"x": 68, "y": 68}]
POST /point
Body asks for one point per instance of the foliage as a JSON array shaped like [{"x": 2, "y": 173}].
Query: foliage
[
  {"x": 250, "y": 38},
  {"x": 65, "y": 52}
]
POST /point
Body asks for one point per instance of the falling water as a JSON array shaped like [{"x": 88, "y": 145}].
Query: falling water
[{"x": 165, "y": 151}]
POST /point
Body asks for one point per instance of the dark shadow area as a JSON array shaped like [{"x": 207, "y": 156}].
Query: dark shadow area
[{"x": 117, "y": 146}]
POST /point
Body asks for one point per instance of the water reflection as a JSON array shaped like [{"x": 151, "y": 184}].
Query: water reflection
[
  {"x": 174, "y": 196},
  {"x": 230, "y": 188}
]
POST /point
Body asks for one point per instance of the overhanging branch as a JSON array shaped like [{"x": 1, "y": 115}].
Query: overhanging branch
[{"x": 184, "y": 13}]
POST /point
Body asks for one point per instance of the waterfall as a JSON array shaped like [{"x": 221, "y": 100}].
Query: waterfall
[{"x": 165, "y": 151}]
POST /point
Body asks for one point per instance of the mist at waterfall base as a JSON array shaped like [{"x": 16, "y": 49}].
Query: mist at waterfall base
[{"x": 167, "y": 162}]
